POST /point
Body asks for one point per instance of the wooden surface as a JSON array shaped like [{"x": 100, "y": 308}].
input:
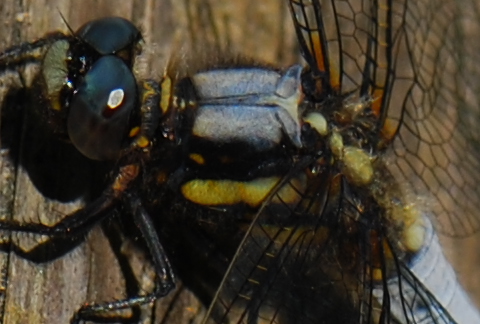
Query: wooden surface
[{"x": 50, "y": 292}]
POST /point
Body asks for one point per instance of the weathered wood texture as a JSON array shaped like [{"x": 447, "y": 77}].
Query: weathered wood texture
[{"x": 89, "y": 271}]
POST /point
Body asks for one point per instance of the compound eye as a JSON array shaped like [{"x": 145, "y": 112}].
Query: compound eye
[
  {"x": 100, "y": 109},
  {"x": 109, "y": 35}
]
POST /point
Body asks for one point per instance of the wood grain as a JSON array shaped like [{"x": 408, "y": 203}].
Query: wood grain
[{"x": 50, "y": 292}]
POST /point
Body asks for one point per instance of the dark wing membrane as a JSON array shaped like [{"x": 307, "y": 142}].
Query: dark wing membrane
[
  {"x": 358, "y": 47},
  {"x": 320, "y": 46},
  {"x": 285, "y": 269},
  {"x": 351, "y": 42},
  {"x": 436, "y": 105},
  {"x": 411, "y": 302},
  {"x": 316, "y": 262}
]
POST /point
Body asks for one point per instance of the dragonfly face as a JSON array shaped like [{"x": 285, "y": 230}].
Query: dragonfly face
[{"x": 288, "y": 192}]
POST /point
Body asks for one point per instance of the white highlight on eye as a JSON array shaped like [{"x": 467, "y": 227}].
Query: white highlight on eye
[{"x": 115, "y": 98}]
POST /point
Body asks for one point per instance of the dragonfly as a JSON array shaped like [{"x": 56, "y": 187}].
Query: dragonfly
[{"x": 338, "y": 231}]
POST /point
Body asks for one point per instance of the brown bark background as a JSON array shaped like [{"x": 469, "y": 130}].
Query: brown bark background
[{"x": 50, "y": 292}]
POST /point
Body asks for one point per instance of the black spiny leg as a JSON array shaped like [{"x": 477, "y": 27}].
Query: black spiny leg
[
  {"x": 28, "y": 52},
  {"x": 164, "y": 273},
  {"x": 82, "y": 220}
]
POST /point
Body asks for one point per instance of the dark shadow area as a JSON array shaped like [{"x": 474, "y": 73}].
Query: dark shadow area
[
  {"x": 54, "y": 166},
  {"x": 47, "y": 251},
  {"x": 115, "y": 229},
  {"x": 62, "y": 237},
  {"x": 56, "y": 169}
]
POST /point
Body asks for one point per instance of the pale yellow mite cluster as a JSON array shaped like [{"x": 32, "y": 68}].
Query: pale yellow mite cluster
[
  {"x": 355, "y": 163},
  {"x": 358, "y": 167}
]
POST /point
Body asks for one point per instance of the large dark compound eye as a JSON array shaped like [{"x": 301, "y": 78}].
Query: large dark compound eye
[
  {"x": 89, "y": 84},
  {"x": 109, "y": 35},
  {"x": 100, "y": 109}
]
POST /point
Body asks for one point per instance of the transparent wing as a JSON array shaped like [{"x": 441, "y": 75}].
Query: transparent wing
[
  {"x": 417, "y": 61},
  {"x": 437, "y": 143},
  {"x": 303, "y": 264},
  {"x": 351, "y": 42},
  {"x": 286, "y": 269}
]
